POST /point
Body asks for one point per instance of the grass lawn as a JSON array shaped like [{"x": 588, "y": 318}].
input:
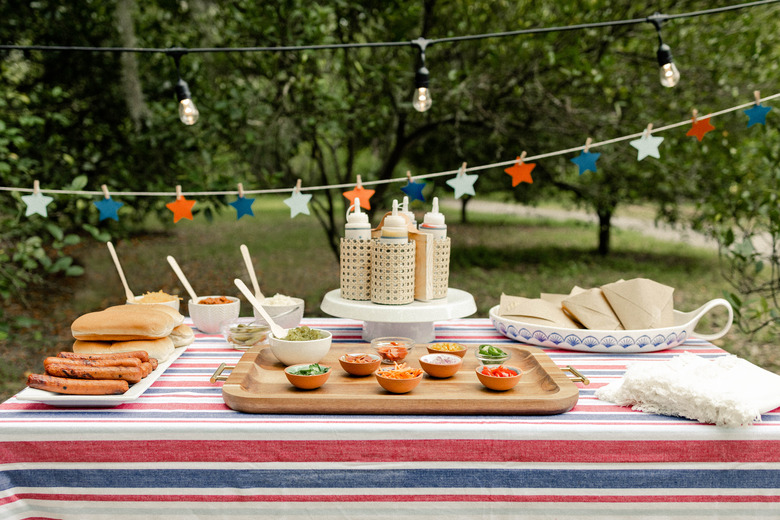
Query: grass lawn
[{"x": 490, "y": 255}]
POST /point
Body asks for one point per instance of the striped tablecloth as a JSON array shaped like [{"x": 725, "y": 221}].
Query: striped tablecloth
[{"x": 179, "y": 452}]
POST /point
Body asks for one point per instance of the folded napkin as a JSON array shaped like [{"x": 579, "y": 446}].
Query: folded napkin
[
  {"x": 535, "y": 310},
  {"x": 727, "y": 391}
]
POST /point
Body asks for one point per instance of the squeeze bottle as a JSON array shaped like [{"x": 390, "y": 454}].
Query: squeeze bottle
[
  {"x": 405, "y": 211},
  {"x": 433, "y": 222},
  {"x": 394, "y": 228},
  {"x": 357, "y": 226}
]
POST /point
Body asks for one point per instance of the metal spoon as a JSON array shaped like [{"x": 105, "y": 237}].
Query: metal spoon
[
  {"x": 128, "y": 293},
  {"x": 251, "y": 269},
  {"x": 277, "y": 330},
  {"x": 182, "y": 278}
]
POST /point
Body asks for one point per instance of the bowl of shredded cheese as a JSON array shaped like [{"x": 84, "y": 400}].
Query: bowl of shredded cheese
[
  {"x": 156, "y": 298},
  {"x": 286, "y": 311}
]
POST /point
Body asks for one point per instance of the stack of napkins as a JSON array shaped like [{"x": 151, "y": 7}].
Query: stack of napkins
[
  {"x": 626, "y": 304},
  {"x": 726, "y": 391}
]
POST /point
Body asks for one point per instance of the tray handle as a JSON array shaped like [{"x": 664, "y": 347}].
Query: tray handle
[
  {"x": 218, "y": 376},
  {"x": 578, "y": 375}
]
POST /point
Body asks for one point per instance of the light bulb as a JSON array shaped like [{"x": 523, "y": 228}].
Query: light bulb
[
  {"x": 669, "y": 74},
  {"x": 188, "y": 112},
  {"x": 422, "y": 99}
]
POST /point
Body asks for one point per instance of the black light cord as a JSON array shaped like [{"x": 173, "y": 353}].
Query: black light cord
[{"x": 420, "y": 43}]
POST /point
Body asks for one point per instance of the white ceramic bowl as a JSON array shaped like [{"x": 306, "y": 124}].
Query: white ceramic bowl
[
  {"x": 174, "y": 303},
  {"x": 287, "y": 316},
  {"x": 210, "y": 318},
  {"x": 300, "y": 352},
  {"x": 589, "y": 340}
]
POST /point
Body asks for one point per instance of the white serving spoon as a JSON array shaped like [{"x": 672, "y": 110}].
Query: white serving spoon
[
  {"x": 128, "y": 293},
  {"x": 277, "y": 330},
  {"x": 251, "y": 269},
  {"x": 182, "y": 278}
]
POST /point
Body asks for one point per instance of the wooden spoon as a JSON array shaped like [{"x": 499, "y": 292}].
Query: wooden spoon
[
  {"x": 251, "y": 269},
  {"x": 277, "y": 330},
  {"x": 182, "y": 278},
  {"x": 128, "y": 293}
]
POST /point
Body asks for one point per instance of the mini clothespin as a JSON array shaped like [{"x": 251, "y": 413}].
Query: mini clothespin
[
  {"x": 649, "y": 129},
  {"x": 521, "y": 159},
  {"x": 105, "y": 191},
  {"x": 359, "y": 182},
  {"x": 462, "y": 170},
  {"x": 298, "y": 185},
  {"x": 36, "y": 187},
  {"x": 409, "y": 176},
  {"x": 695, "y": 115},
  {"x": 240, "y": 190},
  {"x": 588, "y": 142},
  {"x": 178, "y": 192},
  {"x": 757, "y": 94}
]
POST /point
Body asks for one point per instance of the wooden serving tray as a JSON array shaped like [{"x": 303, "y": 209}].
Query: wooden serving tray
[{"x": 257, "y": 384}]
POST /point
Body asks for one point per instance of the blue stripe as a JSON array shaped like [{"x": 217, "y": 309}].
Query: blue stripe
[{"x": 474, "y": 479}]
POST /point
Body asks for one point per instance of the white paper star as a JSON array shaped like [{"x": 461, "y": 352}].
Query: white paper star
[
  {"x": 463, "y": 184},
  {"x": 647, "y": 145},
  {"x": 298, "y": 203},
  {"x": 36, "y": 203}
]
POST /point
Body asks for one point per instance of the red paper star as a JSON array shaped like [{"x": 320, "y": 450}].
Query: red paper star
[
  {"x": 700, "y": 127},
  {"x": 182, "y": 208},
  {"x": 361, "y": 193},
  {"x": 521, "y": 172}
]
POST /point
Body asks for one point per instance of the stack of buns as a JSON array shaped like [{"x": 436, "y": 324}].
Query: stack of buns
[{"x": 155, "y": 329}]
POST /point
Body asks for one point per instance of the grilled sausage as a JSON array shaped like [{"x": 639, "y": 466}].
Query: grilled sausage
[
  {"x": 119, "y": 362},
  {"x": 129, "y": 374},
  {"x": 63, "y": 385}
]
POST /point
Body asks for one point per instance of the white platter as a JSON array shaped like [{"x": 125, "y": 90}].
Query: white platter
[
  {"x": 53, "y": 399},
  {"x": 587, "y": 340}
]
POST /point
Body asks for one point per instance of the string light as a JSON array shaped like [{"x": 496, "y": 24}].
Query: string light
[
  {"x": 669, "y": 74},
  {"x": 422, "y": 96},
  {"x": 188, "y": 112}
]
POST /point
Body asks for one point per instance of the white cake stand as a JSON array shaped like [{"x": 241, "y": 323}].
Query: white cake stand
[{"x": 413, "y": 320}]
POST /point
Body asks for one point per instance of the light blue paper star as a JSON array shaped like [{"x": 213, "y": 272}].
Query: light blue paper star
[
  {"x": 757, "y": 114},
  {"x": 414, "y": 191},
  {"x": 586, "y": 161},
  {"x": 647, "y": 145},
  {"x": 463, "y": 184},
  {"x": 36, "y": 203},
  {"x": 298, "y": 203},
  {"x": 243, "y": 207},
  {"x": 108, "y": 208}
]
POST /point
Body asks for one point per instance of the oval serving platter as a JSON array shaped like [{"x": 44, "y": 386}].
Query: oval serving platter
[{"x": 629, "y": 341}]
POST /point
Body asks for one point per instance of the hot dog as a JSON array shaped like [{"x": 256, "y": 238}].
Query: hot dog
[
  {"x": 62, "y": 385},
  {"x": 129, "y": 374},
  {"x": 140, "y": 354},
  {"x": 119, "y": 362}
]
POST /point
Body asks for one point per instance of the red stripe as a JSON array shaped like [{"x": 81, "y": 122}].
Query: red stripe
[
  {"x": 404, "y": 498},
  {"x": 466, "y": 450}
]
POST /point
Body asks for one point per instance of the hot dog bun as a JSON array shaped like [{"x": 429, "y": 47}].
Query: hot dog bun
[
  {"x": 182, "y": 336},
  {"x": 159, "y": 349},
  {"x": 178, "y": 318},
  {"x": 124, "y": 322}
]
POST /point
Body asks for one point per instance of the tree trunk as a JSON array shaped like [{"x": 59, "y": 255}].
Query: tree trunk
[
  {"x": 463, "y": 217},
  {"x": 605, "y": 226},
  {"x": 131, "y": 83}
]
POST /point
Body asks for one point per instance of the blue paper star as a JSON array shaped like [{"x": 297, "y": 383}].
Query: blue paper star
[
  {"x": 463, "y": 184},
  {"x": 243, "y": 207},
  {"x": 414, "y": 190},
  {"x": 36, "y": 203},
  {"x": 586, "y": 161},
  {"x": 757, "y": 115},
  {"x": 647, "y": 145},
  {"x": 108, "y": 208},
  {"x": 298, "y": 203}
]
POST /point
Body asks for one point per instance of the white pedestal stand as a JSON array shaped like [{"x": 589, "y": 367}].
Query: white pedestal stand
[{"x": 413, "y": 320}]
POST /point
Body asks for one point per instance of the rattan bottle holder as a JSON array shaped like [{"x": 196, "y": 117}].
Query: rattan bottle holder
[
  {"x": 356, "y": 269},
  {"x": 441, "y": 267},
  {"x": 392, "y": 273}
]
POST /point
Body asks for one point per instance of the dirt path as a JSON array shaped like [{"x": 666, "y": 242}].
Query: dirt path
[{"x": 644, "y": 226}]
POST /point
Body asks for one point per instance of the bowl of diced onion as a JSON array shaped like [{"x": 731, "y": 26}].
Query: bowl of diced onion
[{"x": 286, "y": 311}]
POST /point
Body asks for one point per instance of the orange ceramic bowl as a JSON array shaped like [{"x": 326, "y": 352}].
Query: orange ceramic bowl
[
  {"x": 306, "y": 382},
  {"x": 397, "y": 386},
  {"x": 360, "y": 369},
  {"x": 441, "y": 365},
  {"x": 500, "y": 384},
  {"x": 450, "y": 348}
]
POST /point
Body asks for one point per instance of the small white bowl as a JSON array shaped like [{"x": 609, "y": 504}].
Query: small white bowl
[
  {"x": 287, "y": 316},
  {"x": 300, "y": 352},
  {"x": 174, "y": 303},
  {"x": 210, "y": 318}
]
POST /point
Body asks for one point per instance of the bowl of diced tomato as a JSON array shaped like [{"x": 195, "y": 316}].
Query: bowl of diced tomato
[
  {"x": 391, "y": 349},
  {"x": 498, "y": 377}
]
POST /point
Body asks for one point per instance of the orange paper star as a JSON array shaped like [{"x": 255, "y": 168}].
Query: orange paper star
[
  {"x": 700, "y": 127},
  {"x": 182, "y": 208},
  {"x": 521, "y": 172},
  {"x": 361, "y": 193}
]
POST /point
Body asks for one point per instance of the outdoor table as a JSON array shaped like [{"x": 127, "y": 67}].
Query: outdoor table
[{"x": 179, "y": 452}]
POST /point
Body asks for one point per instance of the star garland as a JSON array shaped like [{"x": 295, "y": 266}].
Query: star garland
[
  {"x": 181, "y": 208},
  {"x": 242, "y": 205},
  {"x": 298, "y": 202},
  {"x": 521, "y": 171},
  {"x": 462, "y": 183}
]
